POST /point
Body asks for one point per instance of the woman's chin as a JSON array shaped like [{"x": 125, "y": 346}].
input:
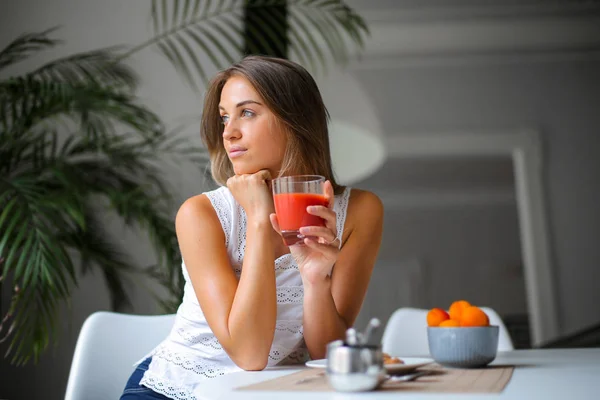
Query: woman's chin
[{"x": 245, "y": 170}]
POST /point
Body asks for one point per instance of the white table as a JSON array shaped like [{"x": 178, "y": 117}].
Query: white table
[{"x": 570, "y": 374}]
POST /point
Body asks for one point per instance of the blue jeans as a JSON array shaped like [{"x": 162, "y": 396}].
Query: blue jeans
[{"x": 133, "y": 390}]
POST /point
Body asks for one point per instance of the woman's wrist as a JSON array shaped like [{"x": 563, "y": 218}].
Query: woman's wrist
[
  {"x": 317, "y": 287},
  {"x": 259, "y": 220}
]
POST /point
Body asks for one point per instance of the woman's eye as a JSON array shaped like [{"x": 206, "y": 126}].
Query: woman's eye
[
  {"x": 224, "y": 118},
  {"x": 247, "y": 113}
]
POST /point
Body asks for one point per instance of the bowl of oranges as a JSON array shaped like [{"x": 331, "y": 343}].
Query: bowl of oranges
[{"x": 461, "y": 337}]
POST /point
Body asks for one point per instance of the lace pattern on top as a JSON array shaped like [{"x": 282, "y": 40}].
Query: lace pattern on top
[
  {"x": 342, "y": 207},
  {"x": 159, "y": 385},
  {"x": 290, "y": 294},
  {"x": 285, "y": 262},
  {"x": 241, "y": 238},
  {"x": 278, "y": 354},
  {"x": 200, "y": 366},
  {"x": 298, "y": 356},
  {"x": 293, "y": 326},
  {"x": 204, "y": 339}
]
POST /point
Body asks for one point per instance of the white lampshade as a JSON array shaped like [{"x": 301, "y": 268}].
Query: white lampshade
[{"x": 357, "y": 145}]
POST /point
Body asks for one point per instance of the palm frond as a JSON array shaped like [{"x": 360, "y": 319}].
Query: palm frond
[
  {"x": 184, "y": 32},
  {"x": 98, "y": 67},
  {"x": 136, "y": 192},
  {"x": 137, "y": 207},
  {"x": 28, "y": 101},
  {"x": 28, "y": 221},
  {"x": 44, "y": 211},
  {"x": 31, "y": 323},
  {"x": 96, "y": 250},
  {"x": 26, "y": 45},
  {"x": 38, "y": 265},
  {"x": 72, "y": 132}
]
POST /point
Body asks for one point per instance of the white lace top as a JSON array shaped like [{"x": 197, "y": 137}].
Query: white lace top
[{"x": 191, "y": 353}]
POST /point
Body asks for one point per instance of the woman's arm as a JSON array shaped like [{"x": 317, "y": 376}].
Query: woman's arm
[
  {"x": 242, "y": 314},
  {"x": 331, "y": 304}
]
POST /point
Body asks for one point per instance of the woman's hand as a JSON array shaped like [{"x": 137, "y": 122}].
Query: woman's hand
[
  {"x": 252, "y": 192},
  {"x": 316, "y": 259}
]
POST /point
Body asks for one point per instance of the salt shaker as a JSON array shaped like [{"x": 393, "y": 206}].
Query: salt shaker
[{"x": 354, "y": 365}]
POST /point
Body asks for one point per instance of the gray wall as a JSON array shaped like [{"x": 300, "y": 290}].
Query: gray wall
[
  {"x": 451, "y": 232},
  {"x": 561, "y": 98},
  {"x": 431, "y": 256}
]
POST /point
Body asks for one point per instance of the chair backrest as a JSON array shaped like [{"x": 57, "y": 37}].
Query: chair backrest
[
  {"x": 504, "y": 340},
  {"x": 406, "y": 332},
  {"x": 107, "y": 347}
]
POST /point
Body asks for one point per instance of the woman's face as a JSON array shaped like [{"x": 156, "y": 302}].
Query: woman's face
[{"x": 252, "y": 137}]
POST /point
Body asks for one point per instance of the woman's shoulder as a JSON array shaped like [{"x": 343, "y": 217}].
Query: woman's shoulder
[
  {"x": 197, "y": 218},
  {"x": 205, "y": 204},
  {"x": 360, "y": 198},
  {"x": 194, "y": 208},
  {"x": 364, "y": 205}
]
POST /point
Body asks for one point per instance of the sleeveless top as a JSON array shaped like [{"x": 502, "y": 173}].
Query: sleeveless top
[{"x": 191, "y": 353}]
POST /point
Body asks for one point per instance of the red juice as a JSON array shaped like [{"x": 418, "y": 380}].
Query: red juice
[{"x": 292, "y": 215}]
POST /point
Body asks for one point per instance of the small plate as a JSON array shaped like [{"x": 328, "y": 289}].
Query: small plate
[{"x": 410, "y": 363}]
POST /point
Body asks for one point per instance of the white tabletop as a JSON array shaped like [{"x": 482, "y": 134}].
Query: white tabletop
[{"x": 539, "y": 374}]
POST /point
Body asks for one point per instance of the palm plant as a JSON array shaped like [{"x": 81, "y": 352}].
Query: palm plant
[{"x": 75, "y": 143}]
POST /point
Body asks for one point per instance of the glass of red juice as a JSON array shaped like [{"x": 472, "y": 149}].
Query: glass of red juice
[{"x": 292, "y": 195}]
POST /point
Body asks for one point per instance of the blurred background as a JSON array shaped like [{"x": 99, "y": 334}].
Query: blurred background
[{"x": 476, "y": 122}]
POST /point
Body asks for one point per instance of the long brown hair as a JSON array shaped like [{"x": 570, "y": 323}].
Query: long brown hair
[{"x": 292, "y": 95}]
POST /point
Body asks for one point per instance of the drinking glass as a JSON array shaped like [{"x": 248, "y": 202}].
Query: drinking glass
[{"x": 292, "y": 195}]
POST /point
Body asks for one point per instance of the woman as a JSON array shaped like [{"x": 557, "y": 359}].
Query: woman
[{"x": 250, "y": 301}]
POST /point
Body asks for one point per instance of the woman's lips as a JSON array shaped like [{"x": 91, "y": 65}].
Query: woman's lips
[{"x": 237, "y": 153}]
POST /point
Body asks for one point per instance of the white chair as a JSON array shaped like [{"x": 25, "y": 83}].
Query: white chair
[
  {"x": 107, "y": 347},
  {"x": 406, "y": 332}
]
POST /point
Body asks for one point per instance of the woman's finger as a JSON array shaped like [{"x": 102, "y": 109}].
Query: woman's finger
[
  {"x": 263, "y": 174},
  {"x": 319, "y": 231},
  {"x": 274, "y": 222},
  {"x": 328, "y": 215},
  {"x": 326, "y": 249},
  {"x": 324, "y": 212}
]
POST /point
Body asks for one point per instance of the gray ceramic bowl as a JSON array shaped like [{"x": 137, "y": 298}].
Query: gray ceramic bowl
[{"x": 470, "y": 347}]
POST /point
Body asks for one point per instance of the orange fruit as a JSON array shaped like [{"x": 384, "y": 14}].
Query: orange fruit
[
  {"x": 449, "y": 323},
  {"x": 457, "y": 308},
  {"x": 474, "y": 316},
  {"x": 435, "y": 316}
]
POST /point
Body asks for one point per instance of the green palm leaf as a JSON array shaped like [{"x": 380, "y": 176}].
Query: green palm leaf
[
  {"x": 97, "y": 250},
  {"x": 25, "y": 45},
  {"x": 184, "y": 32},
  {"x": 45, "y": 212},
  {"x": 27, "y": 101},
  {"x": 40, "y": 269},
  {"x": 31, "y": 322},
  {"x": 30, "y": 212},
  {"x": 97, "y": 67},
  {"x": 73, "y": 134}
]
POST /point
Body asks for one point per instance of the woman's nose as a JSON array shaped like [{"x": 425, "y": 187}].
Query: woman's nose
[{"x": 231, "y": 130}]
